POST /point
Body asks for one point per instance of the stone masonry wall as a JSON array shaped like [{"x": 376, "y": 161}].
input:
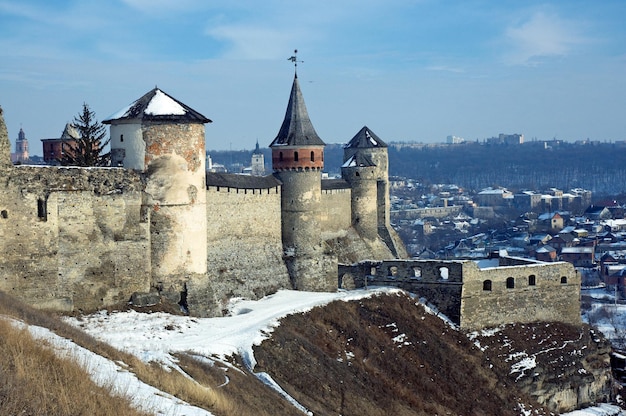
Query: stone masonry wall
[
  {"x": 244, "y": 243},
  {"x": 335, "y": 211},
  {"x": 457, "y": 288},
  {"x": 554, "y": 296},
  {"x": 439, "y": 282},
  {"x": 72, "y": 238}
]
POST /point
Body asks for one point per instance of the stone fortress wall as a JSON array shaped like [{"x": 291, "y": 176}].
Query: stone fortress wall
[
  {"x": 477, "y": 295},
  {"x": 73, "y": 238},
  {"x": 87, "y": 238}
]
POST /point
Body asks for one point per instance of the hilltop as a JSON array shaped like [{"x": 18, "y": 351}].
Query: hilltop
[{"x": 351, "y": 353}]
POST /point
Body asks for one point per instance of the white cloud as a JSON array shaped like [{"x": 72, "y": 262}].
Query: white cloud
[
  {"x": 542, "y": 36},
  {"x": 249, "y": 42}
]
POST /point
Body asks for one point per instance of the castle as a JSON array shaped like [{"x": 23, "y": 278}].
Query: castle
[
  {"x": 158, "y": 225},
  {"x": 157, "y": 222}
]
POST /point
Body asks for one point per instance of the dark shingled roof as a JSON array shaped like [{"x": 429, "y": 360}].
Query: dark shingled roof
[
  {"x": 297, "y": 129},
  {"x": 235, "y": 181},
  {"x": 328, "y": 184},
  {"x": 365, "y": 138},
  {"x": 164, "y": 108}
]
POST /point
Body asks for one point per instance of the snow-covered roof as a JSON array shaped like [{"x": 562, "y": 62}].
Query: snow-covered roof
[
  {"x": 358, "y": 160},
  {"x": 157, "y": 105}
]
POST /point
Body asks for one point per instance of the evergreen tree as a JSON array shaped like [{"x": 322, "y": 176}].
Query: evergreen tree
[{"x": 88, "y": 149}]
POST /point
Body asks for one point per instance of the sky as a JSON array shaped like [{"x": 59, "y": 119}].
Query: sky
[{"x": 411, "y": 70}]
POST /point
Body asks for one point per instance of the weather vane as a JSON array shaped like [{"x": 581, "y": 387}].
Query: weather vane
[{"x": 294, "y": 59}]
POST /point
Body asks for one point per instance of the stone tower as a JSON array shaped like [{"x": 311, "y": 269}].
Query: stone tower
[
  {"x": 297, "y": 160},
  {"x": 5, "y": 145},
  {"x": 164, "y": 138},
  {"x": 258, "y": 162},
  {"x": 364, "y": 149},
  {"x": 21, "y": 147},
  {"x": 361, "y": 173}
]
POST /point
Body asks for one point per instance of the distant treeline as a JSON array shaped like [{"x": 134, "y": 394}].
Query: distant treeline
[{"x": 599, "y": 167}]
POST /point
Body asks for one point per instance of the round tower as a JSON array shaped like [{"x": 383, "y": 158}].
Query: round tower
[
  {"x": 360, "y": 172},
  {"x": 370, "y": 151},
  {"x": 165, "y": 138},
  {"x": 297, "y": 160}
]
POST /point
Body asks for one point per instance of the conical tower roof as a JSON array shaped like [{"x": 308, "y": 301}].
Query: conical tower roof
[
  {"x": 156, "y": 105},
  {"x": 297, "y": 129},
  {"x": 365, "y": 138}
]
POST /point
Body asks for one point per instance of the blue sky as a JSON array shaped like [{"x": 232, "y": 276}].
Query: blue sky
[{"x": 411, "y": 70}]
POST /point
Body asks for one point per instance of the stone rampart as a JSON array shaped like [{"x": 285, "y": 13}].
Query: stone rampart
[
  {"x": 335, "y": 213},
  {"x": 475, "y": 297},
  {"x": 244, "y": 243},
  {"x": 73, "y": 238},
  {"x": 523, "y": 293}
]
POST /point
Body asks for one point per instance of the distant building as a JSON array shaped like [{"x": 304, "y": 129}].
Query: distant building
[
  {"x": 511, "y": 138},
  {"x": 53, "y": 149},
  {"x": 490, "y": 197},
  {"x": 258, "y": 162},
  {"x": 454, "y": 140},
  {"x": 21, "y": 148}
]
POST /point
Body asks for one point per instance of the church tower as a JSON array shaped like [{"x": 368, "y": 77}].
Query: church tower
[
  {"x": 298, "y": 160},
  {"x": 258, "y": 162},
  {"x": 21, "y": 147}
]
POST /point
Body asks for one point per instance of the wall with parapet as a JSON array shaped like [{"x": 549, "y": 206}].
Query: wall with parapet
[
  {"x": 457, "y": 288},
  {"x": 73, "y": 238},
  {"x": 554, "y": 296},
  {"x": 244, "y": 243}
]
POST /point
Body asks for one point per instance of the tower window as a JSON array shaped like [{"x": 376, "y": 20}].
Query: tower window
[
  {"x": 510, "y": 283},
  {"x": 280, "y": 156},
  {"x": 295, "y": 156},
  {"x": 4, "y": 214},
  {"x": 532, "y": 280},
  {"x": 487, "y": 285},
  {"x": 312, "y": 156},
  {"x": 563, "y": 280},
  {"x": 121, "y": 137}
]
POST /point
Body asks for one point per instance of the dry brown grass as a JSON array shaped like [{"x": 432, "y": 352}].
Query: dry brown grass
[
  {"x": 172, "y": 382},
  {"x": 35, "y": 381}
]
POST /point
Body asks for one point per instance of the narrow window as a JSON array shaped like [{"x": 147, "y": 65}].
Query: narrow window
[
  {"x": 510, "y": 283},
  {"x": 280, "y": 156},
  {"x": 532, "y": 280},
  {"x": 295, "y": 156},
  {"x": 563, "y": 280},
  {"x": 121, "y": 137},
  {"x": 42, "y": 209},
  {"x": 312, "y": 156},
  {"x": 487, "y": 285},
  {"x": 443, "y": 273},
  {"x": 4, "y": 214},
  {"x": 373, "y": 271},
  {"x": 417, "y": 272}
]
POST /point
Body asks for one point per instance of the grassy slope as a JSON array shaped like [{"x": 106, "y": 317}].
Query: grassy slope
[{"x": 377, "y": 356}]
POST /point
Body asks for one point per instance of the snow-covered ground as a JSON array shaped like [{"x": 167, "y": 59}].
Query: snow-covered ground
[{"x": 154, "y": 337}]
